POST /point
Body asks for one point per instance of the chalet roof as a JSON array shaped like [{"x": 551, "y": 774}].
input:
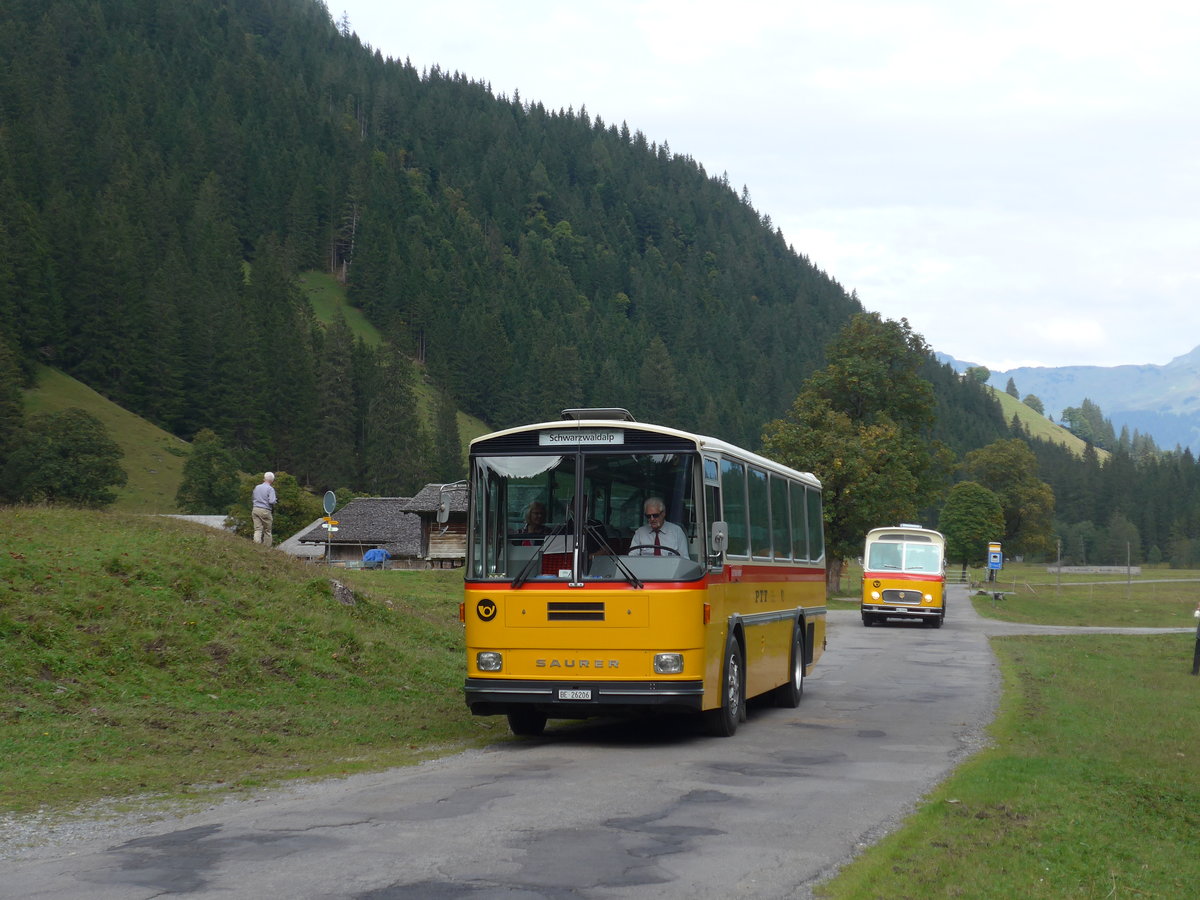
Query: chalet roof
[
  {"x": 429, "y": 496},
  {"x": 294, "y": 547},
  {"x": 373, "y": 521}
]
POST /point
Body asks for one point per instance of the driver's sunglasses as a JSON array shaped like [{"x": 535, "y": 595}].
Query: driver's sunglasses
[{"x": 656, "y": 515}]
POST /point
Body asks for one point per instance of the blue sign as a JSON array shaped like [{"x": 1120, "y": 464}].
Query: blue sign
[{"x": 995, "y": 559}]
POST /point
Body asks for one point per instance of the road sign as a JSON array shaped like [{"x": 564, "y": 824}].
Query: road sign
[{"x": 330, "y": 502}]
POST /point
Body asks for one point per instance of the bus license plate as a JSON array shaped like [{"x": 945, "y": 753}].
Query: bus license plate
[{"x": 574, "y": 695}]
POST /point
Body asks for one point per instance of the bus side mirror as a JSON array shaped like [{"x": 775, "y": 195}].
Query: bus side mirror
[
  {"x": 720, "y": 537},
  {"x": 443, "y": 507}
]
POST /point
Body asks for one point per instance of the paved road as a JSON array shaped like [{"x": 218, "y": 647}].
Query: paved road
[{"x": 598, "y": 810}]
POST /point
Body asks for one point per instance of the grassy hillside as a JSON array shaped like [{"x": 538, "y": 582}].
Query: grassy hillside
[
  {"x": 153, "y": 457},
  {"x": 327, "y": 297},
  {"x": 1039, "y": 426},
  {"x": 143, "y": 654}
]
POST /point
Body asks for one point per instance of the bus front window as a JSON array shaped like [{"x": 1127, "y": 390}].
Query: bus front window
[{"x": 591, "y": 501}]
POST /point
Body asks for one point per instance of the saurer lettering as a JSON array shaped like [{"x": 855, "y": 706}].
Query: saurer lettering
[{"x": 577, "y": 664}]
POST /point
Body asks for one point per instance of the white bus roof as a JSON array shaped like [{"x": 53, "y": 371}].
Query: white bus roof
[
  {"x": 703, "y": 443},
  {"x": 902, "y": 531}
]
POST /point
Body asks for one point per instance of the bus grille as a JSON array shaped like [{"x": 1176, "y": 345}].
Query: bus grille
[
  {"x": 567, "y": 611},
  {"x": 909, "y": 597}
]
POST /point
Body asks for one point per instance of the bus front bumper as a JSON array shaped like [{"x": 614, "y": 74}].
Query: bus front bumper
[
  {"x": 580, "y": 699},
  {"x": 918, "y": 612}
]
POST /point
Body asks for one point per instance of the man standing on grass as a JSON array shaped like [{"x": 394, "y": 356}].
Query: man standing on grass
[{"x": 260, "y": 509}]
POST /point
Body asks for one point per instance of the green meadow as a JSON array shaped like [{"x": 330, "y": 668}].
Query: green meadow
[
  {"x": 1089, "y": 787},
  {"x": 146, "y": 660}
]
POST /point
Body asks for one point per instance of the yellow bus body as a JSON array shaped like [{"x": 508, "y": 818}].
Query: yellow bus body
[
  {"x": 542, "y": 642},
  {"x": 573, "y": 613},
  {"x": 904, "y": 575}
]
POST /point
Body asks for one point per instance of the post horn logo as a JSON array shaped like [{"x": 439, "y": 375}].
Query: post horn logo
[{"x": 486, "y": 609}]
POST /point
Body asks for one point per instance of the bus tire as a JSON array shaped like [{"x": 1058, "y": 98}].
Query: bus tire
[
  {"x": 788, "y": 695},
  {"x": 526, "y": 722},
  {"x": 723, "y": 721}
]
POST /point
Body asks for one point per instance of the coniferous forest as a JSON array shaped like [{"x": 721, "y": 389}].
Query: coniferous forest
[{"x": 170, "y": 170}]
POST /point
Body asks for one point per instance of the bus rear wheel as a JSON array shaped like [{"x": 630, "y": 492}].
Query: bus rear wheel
[
  {"x": 789, "y": 695},
  {"x": 723, "y": 721},
  {"x": 526, "y": 722}
]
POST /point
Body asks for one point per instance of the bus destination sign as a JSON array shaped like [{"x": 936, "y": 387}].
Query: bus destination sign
[{"x": 576, "y": 436}]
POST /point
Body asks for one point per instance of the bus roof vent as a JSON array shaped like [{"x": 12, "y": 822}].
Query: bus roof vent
[{"x": 621, "y": 415}]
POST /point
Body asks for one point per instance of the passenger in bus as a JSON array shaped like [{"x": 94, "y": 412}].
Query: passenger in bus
[
  {"x": 535, "y": 518},
  {"x": 534, "y": 523},
  {"x": 658, "y": 537}
]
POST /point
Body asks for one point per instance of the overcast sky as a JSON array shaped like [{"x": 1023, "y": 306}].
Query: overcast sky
[{"x": 1020, "y": 180}]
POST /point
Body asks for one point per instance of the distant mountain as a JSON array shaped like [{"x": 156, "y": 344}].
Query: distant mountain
[{"x": 1160, "y": 401}]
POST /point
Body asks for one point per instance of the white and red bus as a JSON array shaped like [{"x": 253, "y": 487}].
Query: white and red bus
[{"x": 565, "y": 618}]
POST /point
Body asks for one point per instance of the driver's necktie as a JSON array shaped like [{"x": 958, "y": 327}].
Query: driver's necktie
[{"x": 657, "y": 545}]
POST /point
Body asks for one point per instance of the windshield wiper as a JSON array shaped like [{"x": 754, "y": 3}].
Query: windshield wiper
[
  {"x": 529, "y": 567},
  {"x": 596, "y": 532}
]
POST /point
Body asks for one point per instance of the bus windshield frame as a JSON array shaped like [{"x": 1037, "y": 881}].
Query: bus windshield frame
[{"x": 591, "y": 501}]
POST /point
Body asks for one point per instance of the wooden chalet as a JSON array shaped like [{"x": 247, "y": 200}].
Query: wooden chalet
[
  {"x": 444, "y": 545},
  {"x": 370, "y": 522}
]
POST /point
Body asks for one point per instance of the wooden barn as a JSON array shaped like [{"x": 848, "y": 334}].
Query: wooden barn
[{"x": 444, "y": 545}]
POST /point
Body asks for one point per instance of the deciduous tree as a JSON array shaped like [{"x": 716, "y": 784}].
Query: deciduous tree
[
  {"x": 210, "y": 477},
  {"x": 63, "y": 457},
  {"x": 1009, "y": 469},
  {"x": 970, "y": 519},
  {"x": 861, "y": 425}
]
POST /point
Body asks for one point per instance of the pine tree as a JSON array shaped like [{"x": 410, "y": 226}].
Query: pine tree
[
  {"x": 334, "y": 443},
  {"x": 395, "y": 446},
  {"x": 448, "y": 461}
]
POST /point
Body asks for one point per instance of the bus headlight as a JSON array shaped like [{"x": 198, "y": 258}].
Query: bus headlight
[
  {"x": 929, "y": 598},
  {"x": 875, "y": 596},
  {"x": 489, "y": 661},
  {"x": 668, "y": 663}
]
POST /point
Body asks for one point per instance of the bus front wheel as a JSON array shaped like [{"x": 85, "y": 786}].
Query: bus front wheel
[
  {"x": 526, "y": 722},
  {"x": 723, "y": 721}
]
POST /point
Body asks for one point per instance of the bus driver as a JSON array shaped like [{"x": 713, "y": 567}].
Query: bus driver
[{"x": 658, "y": 537}]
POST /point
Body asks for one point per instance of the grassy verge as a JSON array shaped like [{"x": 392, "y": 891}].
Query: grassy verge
[
  {"x": 1157, "y": 598},
  {"x": 1089, "y": 790},
  {"x": 142, "y": 655}
]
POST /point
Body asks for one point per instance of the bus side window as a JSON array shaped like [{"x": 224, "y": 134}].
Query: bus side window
[
  {"x": 799, "y": 523},
  {"x": 733, "y": 496},
  {"x": 781, "y": 535},
  {"x": 816, "y": 526},
  {"x": 760, "y": 513}
]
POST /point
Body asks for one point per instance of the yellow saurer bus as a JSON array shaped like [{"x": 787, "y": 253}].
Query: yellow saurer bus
[
  {"x": 904, "y": 575},
  {"x": 571, "y": 610}
]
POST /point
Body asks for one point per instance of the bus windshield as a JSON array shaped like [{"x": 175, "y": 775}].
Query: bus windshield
[
  {"x": 577, "y": 516},
  {"x": 904, "y": 556}
]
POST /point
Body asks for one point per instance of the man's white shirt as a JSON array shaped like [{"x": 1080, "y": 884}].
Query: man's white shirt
[{"x": 670, "y": 536}]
